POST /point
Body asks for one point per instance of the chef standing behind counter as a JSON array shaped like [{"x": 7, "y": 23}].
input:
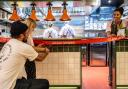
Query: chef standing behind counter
[
  {"x": 67, "y": 31},
  {"x": 50, "y": 32}
]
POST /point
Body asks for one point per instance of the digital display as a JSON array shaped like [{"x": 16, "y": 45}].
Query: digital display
[{"x": 106, "y": 10}]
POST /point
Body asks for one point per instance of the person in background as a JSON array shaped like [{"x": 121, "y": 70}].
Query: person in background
[
  {"x": 117, "y": 26},
  {"x": 13, "y": 57},
  {"x": 50, "y": 32},
  {"x": 67, "y": 31},
  {"x": 30, "y": 65}
]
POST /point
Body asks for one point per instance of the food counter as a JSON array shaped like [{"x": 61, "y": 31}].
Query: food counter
[
  {"x": 62, "y": 67},
  {"x": 121, "y": 64}
]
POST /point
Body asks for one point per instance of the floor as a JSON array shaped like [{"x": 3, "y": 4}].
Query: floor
[{"x": 95, "y": 78}]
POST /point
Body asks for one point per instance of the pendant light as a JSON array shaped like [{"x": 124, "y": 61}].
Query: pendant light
[
  {"x": 49, "y": 16},
  {"x": 33, "y": 13},
  {"x": 65, "y": 16},
  {"x": 14, "y": 16}
]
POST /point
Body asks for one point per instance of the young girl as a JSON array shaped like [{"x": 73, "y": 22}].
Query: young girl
[
  {"x": 117, "y": 24},
  {"x": 30, "y": 66}
]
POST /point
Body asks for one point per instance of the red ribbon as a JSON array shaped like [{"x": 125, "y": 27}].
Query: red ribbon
[
  {"x": 3, "y": 40},
  {"x": 71, "y": 41},
  {"x": 77, "y": 41}
]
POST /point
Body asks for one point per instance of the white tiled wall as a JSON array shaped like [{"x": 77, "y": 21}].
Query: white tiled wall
[
  {"x": 122, "y": 68},
  {"x": 60, "y": 68}
]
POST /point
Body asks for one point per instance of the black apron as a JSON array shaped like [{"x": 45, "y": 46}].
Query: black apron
[{"x": 114, "y": 28}]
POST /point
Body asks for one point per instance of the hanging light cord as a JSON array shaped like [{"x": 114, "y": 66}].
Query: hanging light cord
[
  {"x": 14, "y": 5},
  {"x": 33, "y": 5}
]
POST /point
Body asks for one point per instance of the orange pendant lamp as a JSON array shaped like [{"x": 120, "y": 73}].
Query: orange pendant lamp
[
  {"x": 14, "y": 16},
  {"x": 49, "y": 16},
  {"x": 33, "y": 13},
  {"x": 65, "y": 16}
]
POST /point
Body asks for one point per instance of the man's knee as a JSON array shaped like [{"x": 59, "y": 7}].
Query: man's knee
[
  {"x": 39, "y": 84},
  {"x": 32, "y": 84},
  {"x": 44, "y": 82}
]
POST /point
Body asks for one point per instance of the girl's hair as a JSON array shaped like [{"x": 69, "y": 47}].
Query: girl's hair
[
  {"x": 120, "y": 9},
  {"x": 29, "y": 21}
]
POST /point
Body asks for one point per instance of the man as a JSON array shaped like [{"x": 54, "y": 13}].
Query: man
[
  {"x": 13, "y": 57},
  {"x": 67, "y": 31}
]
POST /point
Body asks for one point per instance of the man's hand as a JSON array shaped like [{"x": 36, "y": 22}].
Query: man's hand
[
  {"x": 44, "y": 51},
  {"x": 111, "y": 35},
  {"x": 41, "y": 45},
  {"x": 47, "y": 50},
  {"x": 41, "y": 49}
]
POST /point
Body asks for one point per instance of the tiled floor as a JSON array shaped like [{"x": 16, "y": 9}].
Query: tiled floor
[{"x": 95, "y": 78}]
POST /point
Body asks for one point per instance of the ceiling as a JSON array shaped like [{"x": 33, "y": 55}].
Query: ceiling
[
  {"x": 91, "y": 6},
  {"x": 7, "y": 4},
  {"x": 115, "y": 3}
]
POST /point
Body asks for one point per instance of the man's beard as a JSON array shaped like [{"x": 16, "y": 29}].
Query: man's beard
[{"x": 24, "y": 40}]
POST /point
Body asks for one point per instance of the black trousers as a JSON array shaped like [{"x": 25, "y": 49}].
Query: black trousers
[
  {"x": 32, "y": 84},
  {"x": 30, "y": 68}
]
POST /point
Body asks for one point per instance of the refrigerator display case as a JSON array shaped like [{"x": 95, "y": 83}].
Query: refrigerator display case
[{"x": 98, "y": 54}]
